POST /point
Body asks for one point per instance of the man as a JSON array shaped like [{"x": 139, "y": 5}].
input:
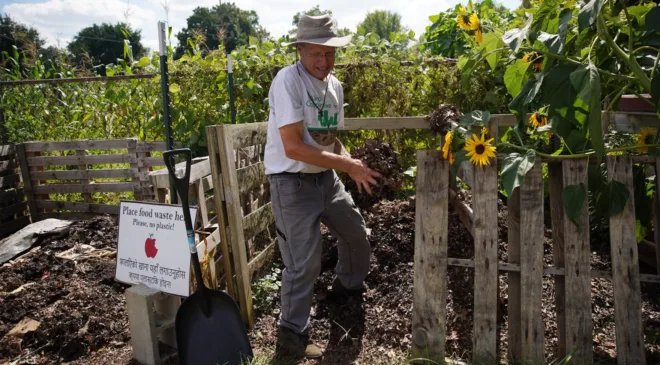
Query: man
[{"x": 302, "y": 152}]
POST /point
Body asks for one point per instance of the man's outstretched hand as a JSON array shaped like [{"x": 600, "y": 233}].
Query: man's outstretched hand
[{"x": 363, "y": 176}]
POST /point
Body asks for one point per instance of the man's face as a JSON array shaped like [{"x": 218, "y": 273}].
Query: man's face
[{"x": 318, "y": 60}]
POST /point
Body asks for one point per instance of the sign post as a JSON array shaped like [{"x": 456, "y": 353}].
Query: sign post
[{"x": 152, "y": 247}]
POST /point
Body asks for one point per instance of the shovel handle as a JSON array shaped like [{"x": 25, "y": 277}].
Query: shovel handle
[{"x": 181, "y": 185}]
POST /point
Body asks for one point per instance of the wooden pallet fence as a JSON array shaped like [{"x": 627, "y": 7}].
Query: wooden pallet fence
[
  {"x": 72, "y": 167},
  {"x": 571, "y": 268},
  {"x": 236, "y": 158},
  {"x": 13, "y": 206}
]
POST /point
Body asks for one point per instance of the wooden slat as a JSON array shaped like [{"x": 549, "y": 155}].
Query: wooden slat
[
  {"x": 28, "y": 182},
  {"x": 79, "y": 206},
  {"x": 85, "y": 174},
  {"x": 12, "y": 210},
  {"x": 656, "y": 214},
  {"x": 79, "y": 160},
  {"x": 249, "y": 134},
  {"x": 9, "y": 181},
  {"x": 514, "y": 292},
  {"x": 7, "y": 150},
  {"x": 430, "y": 285},
  {"x": 485, "y": 256},
  {"x": 151, "y": 161},
  {"x": 557, "y": 272},
  {"x": 101, "y": 144},
  {"x": 625, "y": 270},
  {"x": 151, "y": 146},
  {"x": 13, "y": 226},
  {"x": 556, "y": 182},
  {"x": 213, "y": 143},
  {"x": 12, "y": 195},
  {"x": 353, "y": 124},
  {"x": 235, "y": 220},
  {"x": 577, "y": 281},
  {"x": 251, "y": 177},
  {"x": 78, "y": 188},
  {"x": 198, "y": 170},
  {"x": 258, "y": 220},
  {"x": 263, "y": 258},
  {"x": 8, "y": 165},
  {"x": 531, "y": 265},
  {"x": 71, "y": 216},
  {"x": 84, "y": 181}
]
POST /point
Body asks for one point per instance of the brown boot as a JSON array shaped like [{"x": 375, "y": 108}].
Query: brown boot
[{"x": 292, "y": 346}]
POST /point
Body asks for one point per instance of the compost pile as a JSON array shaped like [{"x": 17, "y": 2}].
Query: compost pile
[
  {"x": 381, "y": 157},
  {"x": 440, "y": 121},
  {"x": 60, "y": 302}
]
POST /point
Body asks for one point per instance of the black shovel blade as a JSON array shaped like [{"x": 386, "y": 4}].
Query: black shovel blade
[{"x": 210, "y": 330}]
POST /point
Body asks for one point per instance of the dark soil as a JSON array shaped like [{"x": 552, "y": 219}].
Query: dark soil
[
  {"x": 380, "y": 157},
  {"x": 81, "y": 309}
]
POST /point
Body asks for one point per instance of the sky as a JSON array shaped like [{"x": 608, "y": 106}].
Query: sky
[{"x": 59, "y": 20}]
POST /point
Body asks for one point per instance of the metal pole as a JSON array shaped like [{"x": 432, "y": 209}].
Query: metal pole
[
  {"x": 232, "y": 108},
  {"x": 165, "y": 88}
]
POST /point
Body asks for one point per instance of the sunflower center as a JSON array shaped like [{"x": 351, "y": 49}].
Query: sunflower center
[
  {"x": 480, "y": 149},
  {"x": 466, "y": 19}
]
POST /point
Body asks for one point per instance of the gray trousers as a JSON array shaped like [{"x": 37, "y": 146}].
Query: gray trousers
[{"x": 300, "y": 203}]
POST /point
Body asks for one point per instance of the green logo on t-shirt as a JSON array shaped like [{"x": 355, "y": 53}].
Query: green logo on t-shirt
[{"x": 327, "y": 122}]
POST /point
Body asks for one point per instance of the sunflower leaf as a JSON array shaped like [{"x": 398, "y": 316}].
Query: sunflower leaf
[
  {"x": 573, "y": 197},
  {"x": 589, "y": 13},
  {"x": 515, "y": 37},
  {"x": 515, "y": 76},
  {"x": 476, "y": 116},
  {"x": 514, "y": 168},
  {"x": 490, "y": 43},
  {"x": 616, "y": 195}
]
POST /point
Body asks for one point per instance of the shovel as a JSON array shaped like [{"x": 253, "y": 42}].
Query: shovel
[{"x": 209, "y": 326}]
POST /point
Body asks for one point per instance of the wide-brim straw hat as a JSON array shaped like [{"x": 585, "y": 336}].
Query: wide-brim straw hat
[{"x": 319, "y": 29}]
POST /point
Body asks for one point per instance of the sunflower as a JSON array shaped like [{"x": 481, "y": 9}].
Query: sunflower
[
  {"x": 538, "y": 120},
  {"x": 527, "y": 57},
  {"x": 479, "y": 37},
  {"x": 479, "y": 150},
  {"x": 465, "y": 21},
  {"x": 446, "y": 148},
  {"x": 646, "y": 137}
]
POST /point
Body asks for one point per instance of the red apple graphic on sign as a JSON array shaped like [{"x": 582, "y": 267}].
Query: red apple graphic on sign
[{"x": 150, "y": 246}]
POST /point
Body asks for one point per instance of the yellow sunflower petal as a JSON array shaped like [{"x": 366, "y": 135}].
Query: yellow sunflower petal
[
  {"x": 479, "y": 37},
  {"x": 474, "y": 21}
]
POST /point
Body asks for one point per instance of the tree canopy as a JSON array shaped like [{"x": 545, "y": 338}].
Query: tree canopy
[
  {"x": 382, "y": 22},
  {"x": 103, "y": 44},
  {"x": 26, "y": 39},
  {"x": 225, "y": 22}
]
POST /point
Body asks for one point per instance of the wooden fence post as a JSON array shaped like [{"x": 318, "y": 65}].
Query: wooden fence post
[
  {"x": 531, "y": 266},
  {"x": 430, "y": 285},
  {"x": 235, "y": 215},
  {"x": 28, "y": 184},
  {"x": 485, "y": 263},
  {"x": 625, "y": 270},
  {"x": 556, "y": 183},
  {"x": 513, "y": 255},
  {"x": 577, "y": 278}
]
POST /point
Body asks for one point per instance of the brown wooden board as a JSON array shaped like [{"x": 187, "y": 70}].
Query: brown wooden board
[
  {"x": 245, "y": 135},
  {"x": 430, "y": 259},
  {"x": 485, "y": 257},
  {"x": 514, "y": 292},
  {"x": 214, "y": 143},
  {"x": 656, "y": 215},
  {"x": 14, "y": 226},
  {"x": 235, "y": 219},
  {"x": 28, "y": 182},
  {"x": 12, "y": 195},
  {"x": 7, "y": 150},
  {"x": 531, "y": 266},
  {"x": 625, "y": 270},
  {"x": 258, "y": 220},
  {"x": 9, "y": 181},
  {"x": 78, "y": 188},
  {"x": 556, "y": 182},
  {"x": 85, "y": 174},
  {"x": 8, "y": 165},
  {"x": 101, "y": 144},
  {"x": 80, "y": 207},
  {"x": 251, "y": 177},
  {"x": 577, "y": 304},
  {"x": 78, "y": 160},
  {"x": 18, "y": 208}
]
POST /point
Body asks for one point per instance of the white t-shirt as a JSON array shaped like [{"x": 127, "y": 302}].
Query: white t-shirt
[{"x": 289, "y": 100}]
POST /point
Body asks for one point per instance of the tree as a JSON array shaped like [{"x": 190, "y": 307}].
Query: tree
[
  {"x": 104, "y": 44},
  {"x": 225, "y": 22},
  {"x": 382, "y": 22},
  {"x": 26, "y": 39}
]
